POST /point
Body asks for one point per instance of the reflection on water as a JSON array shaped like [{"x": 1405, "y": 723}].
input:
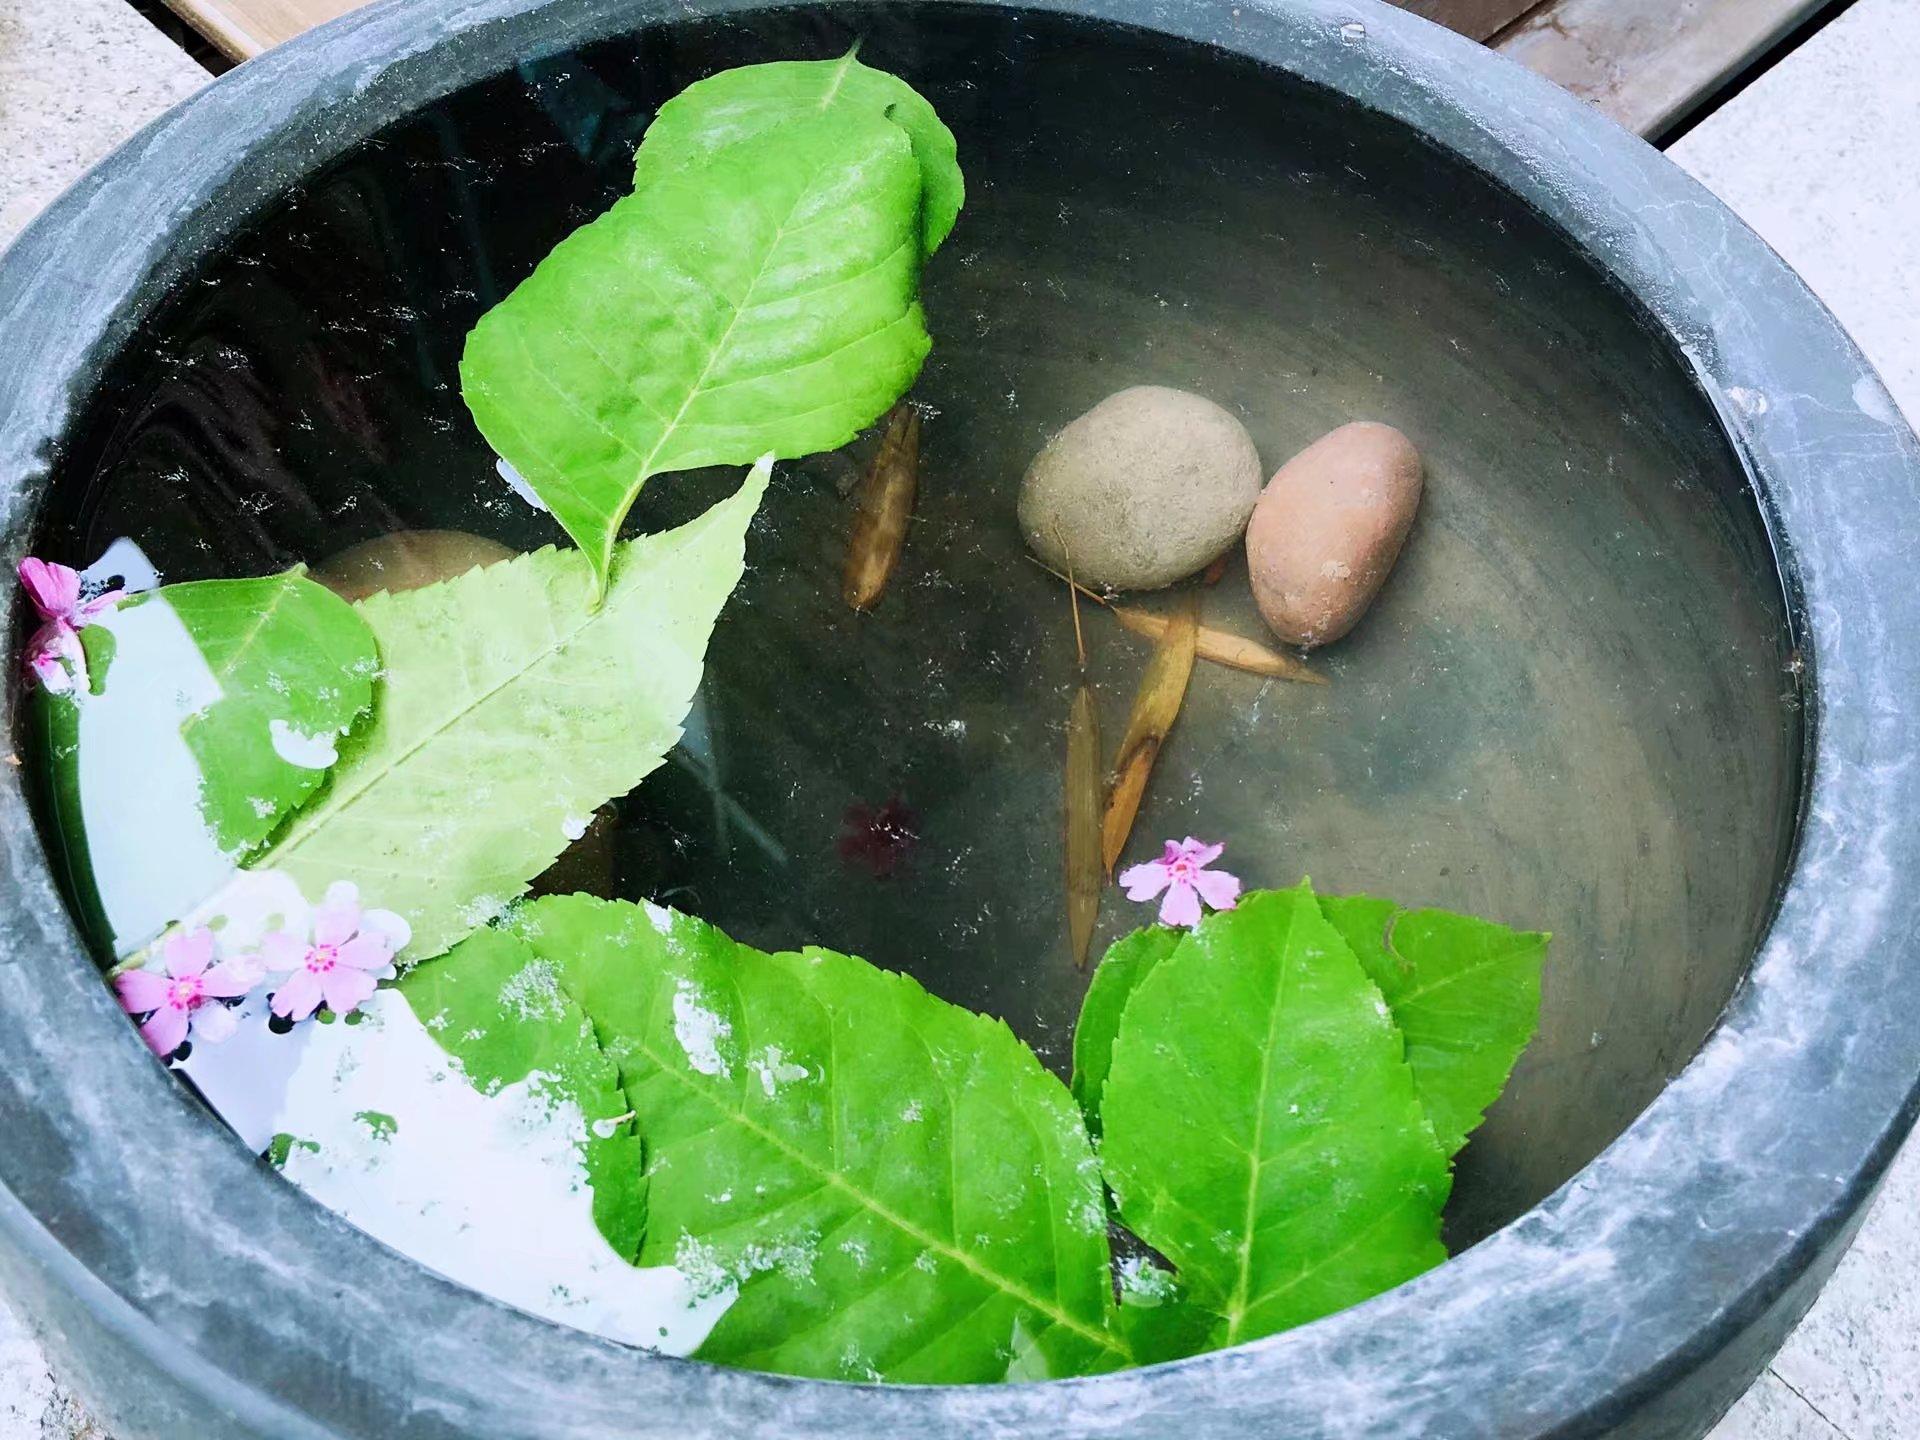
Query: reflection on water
[
  {"x": 488, "y": 1189},
  {"x": 152, "y": 855}
]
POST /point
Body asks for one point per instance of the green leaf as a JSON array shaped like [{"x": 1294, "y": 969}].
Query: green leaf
[
  {"x": 54, "y": 723},
  {"x": 899, "y": 1189},
  {"x": 763, "y": 301},
  {"x": 510, "y": 710},
  {"x": 214, "y": 709},
  {"x": 750, "y": 100},
  {"x": 98, "y": 644},
  {"x": 499, "y": 1009},
  {"x": 294, "y": 668},
  {"x": 1127, "y": 962},
  {"x": 1464, "y": 992},
  {"x": 1158, "y": 1318},
  {"x": 1261, "y": 1125},
  {"x": 282, "y": 1146}
]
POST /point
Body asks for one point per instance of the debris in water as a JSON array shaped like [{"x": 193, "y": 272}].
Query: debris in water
[
  {"x": 1156, "y": 705},
  {"x": 1222, "y": 647},
  {"x": 883, "y": 508},
  {"x": 1082, "y": 798},
  {"x": 56, "y": 657},
  {"x": 879, "y": 838}
]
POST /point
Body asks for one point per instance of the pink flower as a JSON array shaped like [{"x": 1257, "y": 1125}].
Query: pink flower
[
  {"x": 339, "y": 963},
  {"x": 183, "y": 996},
  {"x": 1182, "y": 872},
  {"x": 54, "y": 655},
  {"x": 56, "y": 658}
]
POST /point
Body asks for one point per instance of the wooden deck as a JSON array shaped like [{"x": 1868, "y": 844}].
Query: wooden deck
[
  {"x": 241, "y": 29},
  {"x": 1646, "y": 63}
]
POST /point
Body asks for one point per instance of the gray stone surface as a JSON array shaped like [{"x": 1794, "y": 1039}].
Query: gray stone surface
[
  {"x": 1852, "y": 1369},
  {"x": 1855, "y": 1360},
  {"x": 1772, "y": 1411},
  {"x": 1815, "y": 155},
  {"x": 33, "y": 1404},
  {"x": 76, "y": 78}
]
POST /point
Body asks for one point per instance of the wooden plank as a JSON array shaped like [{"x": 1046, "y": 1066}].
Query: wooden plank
[
  {"x": 241, "y": 29},
  {"x": 1475, "y": 19},
  {"x": 1647, "y": 63}
]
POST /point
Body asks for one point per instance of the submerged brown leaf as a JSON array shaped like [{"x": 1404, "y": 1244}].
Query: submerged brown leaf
[
  {"x": 1156, "y": 705},
  {"x": 882, "y": 510},
  {"x": 1082, "y": 797},
  {"x": 1222, "y": 647}
]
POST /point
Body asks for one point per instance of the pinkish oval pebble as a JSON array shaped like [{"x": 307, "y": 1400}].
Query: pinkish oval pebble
[{"x": 1328, "y": 528}]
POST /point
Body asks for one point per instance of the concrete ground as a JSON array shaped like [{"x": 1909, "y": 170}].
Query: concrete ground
[{"x": 1818, "y": 155}]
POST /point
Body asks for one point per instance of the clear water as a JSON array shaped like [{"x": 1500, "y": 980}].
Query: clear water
[{"x": 1573, "y": 708}]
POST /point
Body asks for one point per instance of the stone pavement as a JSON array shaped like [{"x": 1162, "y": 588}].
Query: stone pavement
[{"x": 1818, "y": 156}]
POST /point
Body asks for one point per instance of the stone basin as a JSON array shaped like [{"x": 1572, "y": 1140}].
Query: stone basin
[{"x": 1640, "y": 679}]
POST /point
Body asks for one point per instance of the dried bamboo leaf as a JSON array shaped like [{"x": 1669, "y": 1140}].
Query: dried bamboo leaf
[
  {"x": 1222, "y": 647},
  {"x": 882, "y": 510},
  {"x": 1156, "y": 705},
  {"x": 1082, "y": 802}
]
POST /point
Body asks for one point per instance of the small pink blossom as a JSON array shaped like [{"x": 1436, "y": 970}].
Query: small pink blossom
[
  {"x": 184, "y": 996},
  {"x": 339, "y": 961},
  {"x": 1182, "y": 872},
  {"x": 55, "y": 656}
]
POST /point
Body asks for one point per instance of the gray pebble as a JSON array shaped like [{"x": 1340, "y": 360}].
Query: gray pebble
[{"x": 1144, "y": 489}]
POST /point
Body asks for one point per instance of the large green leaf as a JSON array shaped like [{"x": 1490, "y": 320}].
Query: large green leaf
[
  {"x": 1465, "y": 995},
  {"x": 898, "y": 1188},
  {"x": 1128, "y": 961},
  {"x": 1262, "y": 1129},
  {"x": 54, "y": 723},
  {"x": 749, "y": 100},
  {"x": 503, "y": 1014},
  {"x": 509, "y": 710},
  {"x": 762, "y": 301},
  {"x": 1464, "y": 992},
  {"x": 294, "y": 665}
]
